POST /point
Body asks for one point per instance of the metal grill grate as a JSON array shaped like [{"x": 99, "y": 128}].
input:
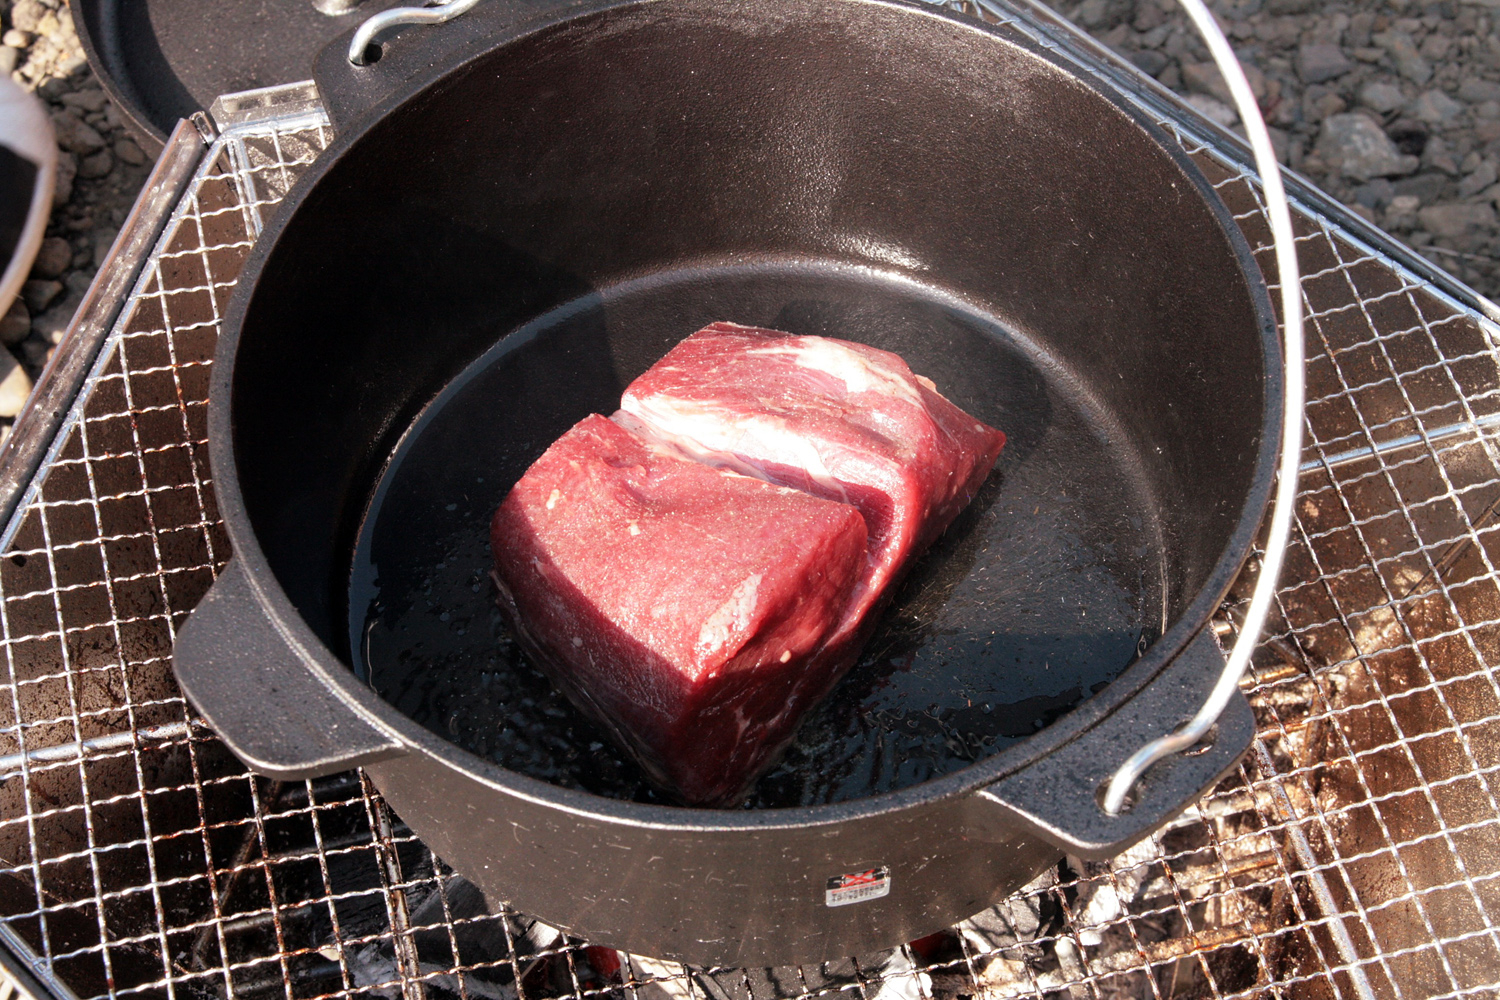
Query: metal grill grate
[{"x": 1354, "y": 854}]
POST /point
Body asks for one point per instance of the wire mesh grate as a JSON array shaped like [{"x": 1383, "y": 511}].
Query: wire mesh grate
[{"x": 1353, "y": 854}]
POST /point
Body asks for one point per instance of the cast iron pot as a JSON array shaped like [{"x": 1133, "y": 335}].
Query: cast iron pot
[{"x": 597, "y": 179}]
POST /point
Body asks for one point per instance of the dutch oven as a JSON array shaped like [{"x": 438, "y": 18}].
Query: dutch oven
[{"x": 539, "y": 199}]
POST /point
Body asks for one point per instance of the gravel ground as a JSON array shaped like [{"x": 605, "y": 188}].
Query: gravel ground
[{"x": 1390, "y": 105}]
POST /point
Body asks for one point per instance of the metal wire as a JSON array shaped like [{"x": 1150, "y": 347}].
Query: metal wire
[{"x": 1351, "y": 855}]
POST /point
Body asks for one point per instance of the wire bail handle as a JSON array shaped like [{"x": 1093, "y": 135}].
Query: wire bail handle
[
  {"x": 437, "y": 13},
  {"x": 1291, "y": 431}
]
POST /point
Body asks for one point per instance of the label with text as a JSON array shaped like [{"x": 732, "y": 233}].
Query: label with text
[{"x": 856, "y": 887}]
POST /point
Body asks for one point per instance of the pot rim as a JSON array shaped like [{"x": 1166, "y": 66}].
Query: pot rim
[{"x": 416, "y": 738}]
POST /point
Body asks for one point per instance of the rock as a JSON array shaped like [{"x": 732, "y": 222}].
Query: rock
[
  {"x": 52, "y": 325},
  {"x": 1435, "y": 108},
  {"x": 1434, "y": 47},
  {"x": 1215, "y": 111},
  {"x": 16, "y": 38},
  {"x": 1402, "y": 212},
  {"x": 1483, "y": 176},
  {"x": 27, "y": 14},
  {"x": 1375, "y": 194},
  {"x": 1093, "y": 13},
  {"x": 1425, "y": 187},
  {"x": 1454, "y": 220},
  {"x": 1147, "y": 16},
  {"x": 1356, "y": 147},
  {"x": 103, "y": 240},
  {"x": 1487, "y": 130},
  {"x": 1205, "y": 78},
  {"x": 1489, "y": 109},
  {"x": 1281, "y": 145},
  {"x": 1382, "y": 97},
  {"x": 126, "y": 151},
  {"x": 54, "y": 257},
  {"x": 97, "y": 165},
  {"x": 1438, "y": 156},
  {"x": 39, "y": 293},
  {"x": 15, "y": 385},
  {"x": 89, "y": 101},
  {"x": 36, "y": 352},
  {"x": 75, "y": 135},
  {"x": 1320, "y": 62},
  {"x": 10, "y": 58},
  {"x": 67, "y": 169},
  {"x": 15, "y": 325},
  {"x": 1171, "y": 77},
  {"x": 1149, "y": 62},
  {"x": 1409, "y": 62},
  {"x": 1290, "y": 6},
  {"x": 1477, "y": 91}
]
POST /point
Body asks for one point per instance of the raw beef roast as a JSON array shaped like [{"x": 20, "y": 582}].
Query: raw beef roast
[{"x": 699, "y": 571}]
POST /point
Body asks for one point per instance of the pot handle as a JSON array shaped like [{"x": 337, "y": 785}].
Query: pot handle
[
  {"x": 255, "y": 686},
  {"x": 393, "y": 51},
  {"x": 1060, "y": 797}
]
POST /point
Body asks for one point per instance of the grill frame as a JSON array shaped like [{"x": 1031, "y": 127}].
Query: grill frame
[{"x": 1269, "y": 841}]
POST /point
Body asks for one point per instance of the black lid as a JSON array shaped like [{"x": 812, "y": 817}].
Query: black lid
[{"x": 162, "y": 60}]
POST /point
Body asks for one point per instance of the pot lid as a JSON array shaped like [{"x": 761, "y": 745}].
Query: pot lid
[{"x": 162, "y": 60}]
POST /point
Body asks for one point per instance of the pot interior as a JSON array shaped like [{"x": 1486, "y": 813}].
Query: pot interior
[{"x": 505, "y": 252}]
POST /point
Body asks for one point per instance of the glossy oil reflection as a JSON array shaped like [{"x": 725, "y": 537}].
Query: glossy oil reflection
[{"x": 1036, "y": 597}]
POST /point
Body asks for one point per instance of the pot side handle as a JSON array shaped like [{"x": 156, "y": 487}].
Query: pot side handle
[
  {"x": 254, "y": 686},
  {"x": 1059, "y": 797},
  {"x": 408, "y": 53}
]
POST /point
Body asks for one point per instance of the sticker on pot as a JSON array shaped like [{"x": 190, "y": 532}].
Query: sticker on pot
[{"x": 856, "y": 887}]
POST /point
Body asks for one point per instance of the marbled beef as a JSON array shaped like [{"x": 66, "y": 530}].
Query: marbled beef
[{"x": 700, "y": 571}]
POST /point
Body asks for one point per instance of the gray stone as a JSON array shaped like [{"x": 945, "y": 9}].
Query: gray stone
[
  {"x": 1290, "y": 6},
  {"x": 1402, "y": 212},
  {"x": 36, "y": 353},
  {"x": 1382, "y": 97},
  {"x": 1483, "y": 176},
  {"x": 15, "y": 385},
  {"x": 1214, "y": 110},
  {"x": 15, "y": 325},
  {"x": 96, "y": 165},
  {"x": 67, "y": 169},
  {"x": 75, "y": 135},
  {"x": 103, "y": 240},
  {"x": 1435, "y": 108},
  {"x": 1409, "y": 62},
  {"x": 1438, "y": 156},
  {"x": 90, "y": 100},
  {"x": 1355, "y": 146},
  {"x": 1376, "y": 194},
  {"x": 126, "y": 151},
  {"x": 52, "y": 325},
  {"x": 1477, "y": 91},
  {"x": 53, "y": 258},
  {"x": 27, "y": 14},
  {"x": 1149, "y": 62},
  {"x": 1454, "y": 220},
  {"x": 1205, "y": 78},
  {"x": 1425, "y": 187},
  {"x": 39, "y": 293},
  {"x": 10, "y": 58},
  {"x": 1488, "y": 110},
  {"x": 1320, "y": 62}
]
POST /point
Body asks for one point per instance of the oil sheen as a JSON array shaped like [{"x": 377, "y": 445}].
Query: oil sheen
[{"x": 1040, "y": 593}]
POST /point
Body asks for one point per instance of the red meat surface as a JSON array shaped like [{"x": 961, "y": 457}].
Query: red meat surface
[
  {"x": 837, "y": 419},
  {"x": 701, "y": 570},
  {"x": 676, "y": 603}
]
